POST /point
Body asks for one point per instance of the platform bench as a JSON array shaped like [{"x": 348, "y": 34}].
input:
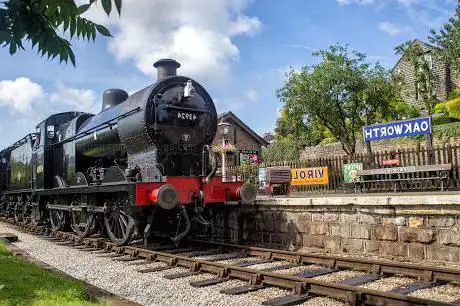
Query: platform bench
[
  {"x": 279, "y": 177},
  {"x": 393, "y": 175}
]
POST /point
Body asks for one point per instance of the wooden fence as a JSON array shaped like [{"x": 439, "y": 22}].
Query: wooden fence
[{"x": 446, "y": 154}]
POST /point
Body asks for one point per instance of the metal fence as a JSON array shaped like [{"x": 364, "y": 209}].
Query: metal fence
[{"x": 446, "y": 154}]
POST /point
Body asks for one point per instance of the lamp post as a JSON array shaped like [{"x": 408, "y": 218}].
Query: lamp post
[{"x": 224, "y": 128}]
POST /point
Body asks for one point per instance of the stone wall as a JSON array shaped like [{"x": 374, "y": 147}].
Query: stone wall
[
  {"x": 335, "y": 149},
  {"x": 455, "y": 80},
  {"x": 406, "y": 230},
  {"x": 444, "y": 79}
]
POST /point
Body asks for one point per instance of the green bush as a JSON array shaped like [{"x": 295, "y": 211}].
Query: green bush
[
  {"x": 454, "y": 94},
  {"x": 283, "y": 149},
  {"x": 446, "y": 131},
  {"x": 440, "y": 108},
  {"x": 328, "y": 140},
  {"x": 453, "y": 107},
  {"x": 441, "y": 120}
]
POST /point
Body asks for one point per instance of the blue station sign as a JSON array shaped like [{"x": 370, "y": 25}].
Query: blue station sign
[{"x": 405, "y": 128}]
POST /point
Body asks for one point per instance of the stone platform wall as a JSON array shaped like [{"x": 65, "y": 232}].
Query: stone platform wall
[{"x": 427, "y": 227}]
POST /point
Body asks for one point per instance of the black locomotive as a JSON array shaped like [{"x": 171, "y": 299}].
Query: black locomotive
[{"x": 143, "y": 164}]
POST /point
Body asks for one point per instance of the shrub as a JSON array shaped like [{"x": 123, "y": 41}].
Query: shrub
[
  {"x": 446, "y": 131},
  {"x": 441, "y": 120},
  {"x": 440, "y": 108},
  {"x": 453, "y": 107},
  {"x": 455, "y": 94}
]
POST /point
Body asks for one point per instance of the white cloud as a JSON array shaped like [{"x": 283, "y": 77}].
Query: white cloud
[
  {"x": 197, "y": 33},
  {"x": 252, "y": 95},
  {"x": 20, "y": 94},
  {"x": 28, "y": 104},
  {"x": 392, "y": 29},
  {"x": 75, "y": 99},
  {"x": 245, "y": 25}
]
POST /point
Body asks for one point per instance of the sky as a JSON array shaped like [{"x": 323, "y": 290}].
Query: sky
[{"x": 239, "y": 50}]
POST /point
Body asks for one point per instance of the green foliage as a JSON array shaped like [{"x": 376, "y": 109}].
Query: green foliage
[
  {"x": 447, "y": 131},
  {"x": 307, "y": 132},
  {"x": 454, "y": 94},
  {"x": 40, "y": 21},
  {"x": 439, "y": 120},
  {"x": 283, "y": 149},
  {"x": 335, "y": 98},
  {"x": 22, "y": 283},
  {"x": 448, "y": 40},
  {"x": 440, "y": 108},
  {"x": 399, "y": 109},
  {"x": 453, "y": 107}
]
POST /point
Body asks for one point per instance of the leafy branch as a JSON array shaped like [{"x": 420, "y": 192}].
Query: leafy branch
[{"x": 43, "y": 23}]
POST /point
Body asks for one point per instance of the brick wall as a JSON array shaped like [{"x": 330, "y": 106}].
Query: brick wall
[{"x": 416, "y": 233}]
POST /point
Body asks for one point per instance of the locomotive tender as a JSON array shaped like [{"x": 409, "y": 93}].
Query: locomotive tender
[{"x": 143, "y": 164}]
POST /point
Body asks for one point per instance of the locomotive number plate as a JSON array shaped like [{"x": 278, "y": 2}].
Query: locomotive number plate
[{"x": 186, "y": 116}]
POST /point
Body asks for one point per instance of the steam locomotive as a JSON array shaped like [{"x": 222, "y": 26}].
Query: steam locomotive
[{"x": 143, "y": 165}]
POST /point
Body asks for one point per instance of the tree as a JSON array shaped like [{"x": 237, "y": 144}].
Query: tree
[
  {"x": 40, "y": 21},
  {"x": 306, "y": 131},
  {"x": 284, "y": 149},
  {"x": 341, "y": 93},
  {"x": 447, "y": 40}
]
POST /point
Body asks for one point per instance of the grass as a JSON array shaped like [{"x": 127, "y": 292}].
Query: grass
[{"x": 23, "y": 283}]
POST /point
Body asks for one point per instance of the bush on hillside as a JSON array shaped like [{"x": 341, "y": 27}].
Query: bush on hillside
[
  {"x": 446, "y": 131},
  {"x": 283, "y": 149},
  {"x": 454, "y": 94},
  {"x": 453, "y": 107},
  {"x": 441, "y": 120},
  {"x": 440, "y": 108}
]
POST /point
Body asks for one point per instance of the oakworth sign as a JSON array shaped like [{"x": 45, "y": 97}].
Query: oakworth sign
[{"x": 404, "y": 128}]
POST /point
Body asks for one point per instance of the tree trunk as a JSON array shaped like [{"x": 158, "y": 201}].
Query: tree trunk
[{"x": 369, "y": 147}]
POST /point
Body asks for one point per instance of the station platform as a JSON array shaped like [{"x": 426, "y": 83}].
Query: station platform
[
  {"x": 372, "y": 199},
  {"x": 413, "y": 226}
]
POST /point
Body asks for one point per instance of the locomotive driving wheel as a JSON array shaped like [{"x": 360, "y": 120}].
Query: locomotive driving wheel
[
  {"x": 19, "y": 211},
  {"x": 57, "y": 219},
  {"x": 3, "y": 206},
  {"x": 118, "y": 223},
  {"x": 83, "y": 223},
  {"x": 35, "y": 214}
]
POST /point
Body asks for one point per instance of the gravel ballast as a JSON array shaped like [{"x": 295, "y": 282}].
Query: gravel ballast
[{"x": 123, "y": 279}]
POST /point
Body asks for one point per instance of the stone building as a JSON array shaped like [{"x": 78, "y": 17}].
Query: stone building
[
  {"x": 444, "y": 78},
  {"x": 248, "y": 143}
]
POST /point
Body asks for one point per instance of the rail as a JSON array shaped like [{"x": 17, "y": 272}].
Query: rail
[{"x": 302, "y": 288}]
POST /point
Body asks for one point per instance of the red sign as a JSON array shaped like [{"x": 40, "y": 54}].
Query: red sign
[{"x": 391, "y": 162}]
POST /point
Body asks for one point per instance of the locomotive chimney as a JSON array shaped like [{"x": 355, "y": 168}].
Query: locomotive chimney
[{"x": 166, "y": 68}]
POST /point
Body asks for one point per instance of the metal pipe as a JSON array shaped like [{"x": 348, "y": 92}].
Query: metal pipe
[{"x": 178, "y": 237}]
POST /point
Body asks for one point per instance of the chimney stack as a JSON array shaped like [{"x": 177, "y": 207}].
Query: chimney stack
[{"x": 166, "y": 68}]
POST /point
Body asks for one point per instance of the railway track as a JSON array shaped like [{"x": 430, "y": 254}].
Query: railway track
[{"x": 303, "y": 275}]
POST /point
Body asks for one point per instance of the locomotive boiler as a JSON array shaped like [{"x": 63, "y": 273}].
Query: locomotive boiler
[{"x": 143, "y": 164}]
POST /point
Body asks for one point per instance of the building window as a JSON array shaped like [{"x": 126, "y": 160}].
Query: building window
[{"x": 429, "y": 60}]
